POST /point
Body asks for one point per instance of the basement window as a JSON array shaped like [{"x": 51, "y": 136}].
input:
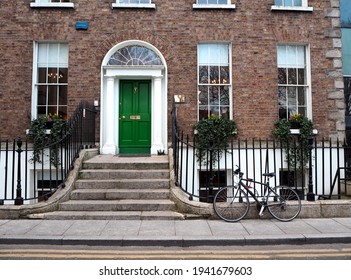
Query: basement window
[
  {"x": 208, "y": 190},
  {"x": 52, "y": 4},
  {"x": 146, "y": 4}
]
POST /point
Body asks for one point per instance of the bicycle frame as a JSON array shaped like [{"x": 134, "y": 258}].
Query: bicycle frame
[{"x": 265, "y": 196}]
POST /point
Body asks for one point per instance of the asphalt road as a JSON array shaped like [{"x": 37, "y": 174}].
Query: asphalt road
[{"x": 278, "y": 252}]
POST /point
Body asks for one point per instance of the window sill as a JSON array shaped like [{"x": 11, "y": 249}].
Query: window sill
[
  {"x": 133, "y": 6},
  {"x": 292, "y": 8},
  {"x": 214, "y": 6},
  {"x": 52, "y": 5},
  {"x": 297, "y": 131}
]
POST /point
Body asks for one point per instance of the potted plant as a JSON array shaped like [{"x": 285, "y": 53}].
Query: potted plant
[
  {"x": 295, "y": 120},
  {"x": 212, "y": 134},
  {"x": 42, "y": 139},
  {"x": 295, "y": 145}
]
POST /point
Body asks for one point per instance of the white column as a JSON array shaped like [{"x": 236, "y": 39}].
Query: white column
[
  {"x": 109, "y": 146},
  {"x": 157, "y": 143}
]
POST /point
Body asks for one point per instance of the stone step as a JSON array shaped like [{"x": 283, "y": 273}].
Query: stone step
[
  {"x": 127, "y": 163},
  {"x": 123, "y": 184},
  {"x": 109, "y": 215},
  {"x": 115, "y": 194},
  {"x": 118, "y": 205},
  {"x": 104, "y": 174}
]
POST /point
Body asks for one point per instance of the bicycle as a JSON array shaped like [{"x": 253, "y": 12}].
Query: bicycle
[{"x": 231, "y": 203}]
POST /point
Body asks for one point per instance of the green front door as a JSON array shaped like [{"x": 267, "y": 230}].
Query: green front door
[{"x": 135, "y": 117}]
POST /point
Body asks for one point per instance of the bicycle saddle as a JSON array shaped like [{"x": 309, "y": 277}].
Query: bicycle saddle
[{"x": 272, "y": 174}]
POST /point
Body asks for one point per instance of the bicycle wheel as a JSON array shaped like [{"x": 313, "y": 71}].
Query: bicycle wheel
[
  {"x": 284, "y": 204},
  {"x": 231, "y": 204}
]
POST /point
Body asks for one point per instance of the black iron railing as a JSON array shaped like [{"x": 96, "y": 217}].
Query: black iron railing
[
  {"x": 325, "y": 176},
  {"x": 23, "y": 180}
]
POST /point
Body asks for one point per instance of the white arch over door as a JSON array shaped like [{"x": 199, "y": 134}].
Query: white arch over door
[{"x": 111, "y": 73}]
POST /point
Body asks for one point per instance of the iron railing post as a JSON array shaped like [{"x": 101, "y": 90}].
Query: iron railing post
[
  {"x": 19, "y": 198},
  {"x": 310, "y": 194}
]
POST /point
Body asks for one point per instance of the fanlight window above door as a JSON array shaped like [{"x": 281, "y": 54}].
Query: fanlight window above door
[{"x": 134, "y": 56}]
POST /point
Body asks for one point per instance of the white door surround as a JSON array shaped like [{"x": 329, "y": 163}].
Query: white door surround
[{"x": 110, "y": 77}]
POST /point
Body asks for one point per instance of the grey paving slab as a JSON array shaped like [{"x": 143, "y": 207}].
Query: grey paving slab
[
  {"x": 220, "y": 228},
  {"x": 192, "y": 227},
  {"x": 261, "y": 227},
  {"x": 327, "y": 225},
  {"x": 121, "y": 228},
  {"x": 157, "y": 228},
  {"x": 344, "y": 221},
  {"x": 51, "y": 228},
  {"x": 3, "y": 222},
  {"x": 84, "y": 228},
  {"x": 295, "y": 226},
  {"x": 18, "y": 227}
]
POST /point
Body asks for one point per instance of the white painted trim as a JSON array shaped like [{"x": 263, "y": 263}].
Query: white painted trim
[
  {"x": 134, "y": 6},
  {"x": 135, "y": 72},
  {"x": 292, "y": 8},
  {"x": 159, "y": 107},
  {"x": 52, "y": 5},
  {"x": 214, "y": 6}
]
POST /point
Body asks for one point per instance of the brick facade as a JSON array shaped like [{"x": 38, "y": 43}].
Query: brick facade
[{"x": 175, "y": 28}]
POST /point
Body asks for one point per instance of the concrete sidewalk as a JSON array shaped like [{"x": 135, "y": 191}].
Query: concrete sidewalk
[{"x": 182, "y": 233}]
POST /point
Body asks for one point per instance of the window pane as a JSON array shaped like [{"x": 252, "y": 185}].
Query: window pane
[
  {"x": 345, "y": 13},
  {"x": 63, "y": 95},
  {"x": 282, "y": 102},
  {"x": 203, "y": 75},
  {"x": 292, "y": 76},
  {"x": 63, "y": 75},
  {"x": 52, "y": 95},
  {"x": 282, "y": 76},
  {"x": 52, "y": 110},
  {"x": 52, "y": 75},
  {"x": 225, "y": 112},
  {"x": 62, "y": 112},
  {"x": 224, "y": 70},
  {"x": 41, "y": 111},
  {"x": 346, "y": 50},
  {"x": 42, "y": 75},
  {"x": 224, "y": 95},
  {"x": 301, "y": 76},
  {"x": 292, "y": 99},
  {"x": 203, "y": 112},
  {"x": 214, "y": 96},
  {"x": 41, "y": 95},
  {"x": 203, "y": 95},
  {"x": 302, "y": 96},
  {"x": 214, "y": 110},
  {"x": 214, "y": 74}
]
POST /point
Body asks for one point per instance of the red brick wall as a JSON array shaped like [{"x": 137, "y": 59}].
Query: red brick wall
[{"x": 175, "y": 29}]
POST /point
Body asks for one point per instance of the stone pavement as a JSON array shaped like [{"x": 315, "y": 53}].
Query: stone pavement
[{"x": 181, "y": 233}]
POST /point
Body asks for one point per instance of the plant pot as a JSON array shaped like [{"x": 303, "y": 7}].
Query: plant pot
[
  {"x": 48, "y": 125},
  {"x": 295, "y": 125}
]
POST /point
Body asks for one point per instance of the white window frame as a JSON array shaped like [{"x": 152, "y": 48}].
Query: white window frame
[
  {"x": 133, "y": 5},
  {"x": 35, "y": 83},
  {"x": 229, "y": 5},
  {"x": 303, "y": 8},
  {"x": 49, "y": 4},
  {"x": 230, "y": 84},
  {"x": 308, "y": 76}
]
